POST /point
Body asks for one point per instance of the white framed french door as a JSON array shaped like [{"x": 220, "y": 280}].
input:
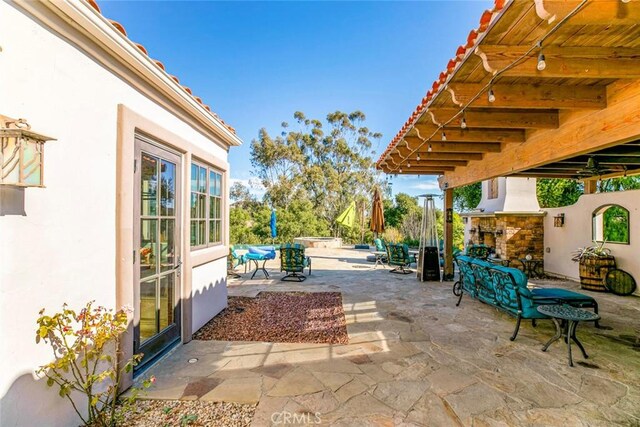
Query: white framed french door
[{"x": 157, "y": 231}]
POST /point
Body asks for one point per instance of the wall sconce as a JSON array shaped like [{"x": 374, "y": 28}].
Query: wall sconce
[
  {"x": 449, "y": 215},
  {"x": 499, "y": 232},
  {"x": 558, "y": 220},
  {"x": 21, "y": 154},
  {"x": 472, "y": 230}
]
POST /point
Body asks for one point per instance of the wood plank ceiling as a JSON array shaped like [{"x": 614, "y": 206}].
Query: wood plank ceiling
[{"x": 495, "y": 94}]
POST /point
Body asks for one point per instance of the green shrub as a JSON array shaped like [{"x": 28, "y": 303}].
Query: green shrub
[{"x": 81, "y": 344}]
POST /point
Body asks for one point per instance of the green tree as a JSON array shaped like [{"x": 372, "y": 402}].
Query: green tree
[
  {"x": 240, "y": 193},
  {"x": 467, "y": 198},
  {"x": 240, "y": 226},
  {"x": 553, "y": 193},
  {"x": 328, "y": 163},
  {"x": 619, "y": 184}
]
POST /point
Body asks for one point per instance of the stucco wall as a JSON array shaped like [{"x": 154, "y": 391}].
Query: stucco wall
[
  {"x": 63, "y": 248},
  {"x": 561, "y": 241},
  {"x": 209, "y": 291}
]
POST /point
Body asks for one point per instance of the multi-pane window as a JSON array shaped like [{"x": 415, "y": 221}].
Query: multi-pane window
[{"x": 206, "y": 206}]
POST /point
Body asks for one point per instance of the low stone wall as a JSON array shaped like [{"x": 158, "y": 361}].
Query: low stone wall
[{"x": 319, "y": 242}]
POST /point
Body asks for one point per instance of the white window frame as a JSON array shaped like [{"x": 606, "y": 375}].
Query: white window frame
[{"x": 207, "y": 208}]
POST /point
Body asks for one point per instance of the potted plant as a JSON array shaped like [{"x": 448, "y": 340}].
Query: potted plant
[{"x": 595, "y": 261}]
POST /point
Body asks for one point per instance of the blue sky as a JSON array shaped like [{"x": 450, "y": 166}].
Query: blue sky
[{"x": 256, "y": 63}]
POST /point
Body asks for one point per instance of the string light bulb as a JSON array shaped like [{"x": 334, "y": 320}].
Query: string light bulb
[
  {"x": 444, "y": 136},
  {"x": 463, "y": 123},
  {"x": 429, "y": 148},
  {"x": 541, "y": 62},
  {"x": 491, "y": 96},
  {"x": 400, "y": 170},
  {"x": 408, "y": 164},
  {"x": 418, "y": 159},
  {"x": 626, "y": 1}
]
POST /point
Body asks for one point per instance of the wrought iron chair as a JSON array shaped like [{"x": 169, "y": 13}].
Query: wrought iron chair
[
  {"x": 293, "y": 261},
  {"x": 234, "y": 260},
  {"x": 399, "y": 257}
]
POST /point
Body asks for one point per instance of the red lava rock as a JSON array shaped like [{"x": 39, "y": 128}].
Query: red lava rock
[{"x": 295, "y": 317}]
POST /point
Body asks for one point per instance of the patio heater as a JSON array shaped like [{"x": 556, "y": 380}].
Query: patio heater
[{"x": 428, "y": 254}]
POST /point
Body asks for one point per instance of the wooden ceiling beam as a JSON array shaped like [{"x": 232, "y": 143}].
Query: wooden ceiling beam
[
  {"x": 431, "y": 163},
  {"x": 448, "y": 147},
  {"x": 447, "y": 156},
  {"x": 496, "y": 118},
  {"x": 415, "y": 172},
  {"x": 528, "y": 96},
  {"x": 600, "y": 12},
  {"x": 425, "y": 130},
  {"x": 562, "y": 62},
  {"x": 582, "y": 134}
]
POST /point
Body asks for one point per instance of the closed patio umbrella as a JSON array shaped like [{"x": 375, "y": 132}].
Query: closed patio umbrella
[
  {"x": 377, "y": 213},
  {"x": 272, "y": 224}
]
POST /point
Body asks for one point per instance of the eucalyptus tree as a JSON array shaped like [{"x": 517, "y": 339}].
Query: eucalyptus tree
[{"x": 328, "y": 163}]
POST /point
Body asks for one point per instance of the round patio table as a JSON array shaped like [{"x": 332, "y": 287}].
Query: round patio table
[
  {"x": 570, "y": 317},
  {"x": 530, "y": 267}
]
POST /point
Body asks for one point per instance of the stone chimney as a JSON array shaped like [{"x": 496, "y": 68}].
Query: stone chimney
[{"x": 508, "y": 219}]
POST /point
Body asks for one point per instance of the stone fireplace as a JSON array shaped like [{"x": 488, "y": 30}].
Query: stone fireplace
[{"x": 508, "y": 220}]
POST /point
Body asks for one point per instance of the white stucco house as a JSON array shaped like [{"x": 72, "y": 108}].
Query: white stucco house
[{"x": 133, "y": 206}]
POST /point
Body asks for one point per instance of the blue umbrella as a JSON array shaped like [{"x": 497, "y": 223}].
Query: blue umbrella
[{"x": 272, "y": 223}]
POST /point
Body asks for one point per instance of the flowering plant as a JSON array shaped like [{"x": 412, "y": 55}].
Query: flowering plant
[{"x": 85, "y": 360}]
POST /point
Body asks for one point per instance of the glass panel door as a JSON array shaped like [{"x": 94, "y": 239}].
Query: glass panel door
[{"x": 157, "y": 258}]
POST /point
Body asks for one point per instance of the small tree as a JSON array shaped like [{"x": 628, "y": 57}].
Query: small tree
[{"x": 81, "y": 344}]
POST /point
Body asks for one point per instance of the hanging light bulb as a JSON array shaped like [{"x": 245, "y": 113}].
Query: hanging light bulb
[
  {"x": 429, "y": 149},
  {"x": 541, "y": 62},
  {"x": 418, "y": 159},
  {"x": 491, "y": 96},
  {"x": 463, "y": 123},
  {"x": 626, "y": 1},
  {"x": 444, "y": 136},
  {"x": 408, "y": 164},
  {"x": 400, "y": 170}
]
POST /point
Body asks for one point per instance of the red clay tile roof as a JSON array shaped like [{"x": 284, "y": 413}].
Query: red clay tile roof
[
  {"x": 453, "y": 63},
  {"x": 160, "y": 65}
]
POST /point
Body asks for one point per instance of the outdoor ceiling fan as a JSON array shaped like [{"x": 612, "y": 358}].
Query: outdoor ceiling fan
[{"x": 593, "y": 168}]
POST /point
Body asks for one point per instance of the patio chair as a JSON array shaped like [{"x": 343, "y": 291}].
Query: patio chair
[
  {"x": 293, "y": 261},
  {"x": 380, "y": 246},
  {"x": 234, "y": 260},
  {"x": 399, "y": 257},
  {"x": 478, "y": 251}
]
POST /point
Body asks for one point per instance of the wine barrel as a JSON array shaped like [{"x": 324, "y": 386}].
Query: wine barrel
[{"x": 593, "y": 272}]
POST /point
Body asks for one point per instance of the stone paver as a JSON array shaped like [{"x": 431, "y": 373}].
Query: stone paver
[{"x": 415, "y": 359}]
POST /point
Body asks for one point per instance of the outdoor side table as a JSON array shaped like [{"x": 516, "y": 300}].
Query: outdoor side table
[
  {"x": 530, "y": 267},
  {"x": 570, "y": 317},
  {"x": 379, "y": 258}
]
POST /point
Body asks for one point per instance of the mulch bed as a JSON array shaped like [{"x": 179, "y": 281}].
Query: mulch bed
[
  {"x": 157, "y": 413},
  {"x": 295, "y": 317}
]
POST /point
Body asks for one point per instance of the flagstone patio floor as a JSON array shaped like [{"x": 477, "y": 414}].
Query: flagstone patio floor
[{"x": 414, "y": 358}]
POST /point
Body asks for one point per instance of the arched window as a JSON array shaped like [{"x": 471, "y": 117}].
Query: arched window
[{"x": 611, "y": 224}]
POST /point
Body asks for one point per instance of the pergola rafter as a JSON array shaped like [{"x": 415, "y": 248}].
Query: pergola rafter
[
  {"x": 539, "y": 87},
  {"x": 496, "y": 103}
]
